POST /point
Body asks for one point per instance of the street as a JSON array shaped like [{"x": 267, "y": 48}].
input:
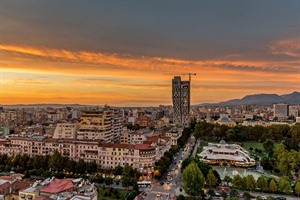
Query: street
[{"x": 173, "y": 185}]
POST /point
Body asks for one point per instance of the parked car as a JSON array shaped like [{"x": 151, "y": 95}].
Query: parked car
[{"x": 280, "y": 198}]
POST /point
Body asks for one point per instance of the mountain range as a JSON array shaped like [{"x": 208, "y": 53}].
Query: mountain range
[{"x": 260, "y": 99}]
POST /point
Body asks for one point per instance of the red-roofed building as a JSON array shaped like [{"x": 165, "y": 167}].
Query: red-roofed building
[
  {"x": 11, "y": 190},
  {"x": 57, "y": 186},
  {"x": 57, "y": 189},
  {"x": 144, "y": 121},
  {"x": 11, "y": 178}
]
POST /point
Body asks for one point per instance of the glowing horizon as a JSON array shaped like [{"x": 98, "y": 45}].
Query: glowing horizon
[{"x": 120, "y": 59}]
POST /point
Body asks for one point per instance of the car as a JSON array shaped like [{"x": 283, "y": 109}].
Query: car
[
  {"x": 158, "y": 194},
  {"x": 280, "y": 198},
  {"x": 161, "y": 183},
  {"x": 217, "y": 194}
]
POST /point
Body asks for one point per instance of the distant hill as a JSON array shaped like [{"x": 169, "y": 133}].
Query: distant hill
[{"x": 260, "y": 99}]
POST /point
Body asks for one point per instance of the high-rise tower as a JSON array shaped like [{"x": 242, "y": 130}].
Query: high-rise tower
[{"x": 181, "y": 101}]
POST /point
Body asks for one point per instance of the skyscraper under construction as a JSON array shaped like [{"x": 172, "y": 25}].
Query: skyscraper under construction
[{"x": 181, "y": 101}]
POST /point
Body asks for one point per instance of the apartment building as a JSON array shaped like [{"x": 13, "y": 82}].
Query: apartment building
[
  {"x": 109, "y": 155},
  {"x": 174, "y": 135},
  {"x": 144, "y": 120},
  {"x": 132, "y": 137},
  {"x": 65, "y": 130},
  {"x": 105, "y": 124}
]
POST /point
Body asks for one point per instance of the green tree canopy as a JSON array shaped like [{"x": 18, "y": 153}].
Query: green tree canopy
[
  {"x": 250, "y": 182},
  {"x": 237, "y": 181},
  {"x": 285, "y": 185},
  {"x": 273, "y": 186},
  {"x": 297, "y": 188},
  {"x": 211, "y": 179},
  {"x": 193, "y": 180},
  {"x": 269, "y": 147},
  {"x": 262, "y": 183},
  {"x": 202, "y": 166}
]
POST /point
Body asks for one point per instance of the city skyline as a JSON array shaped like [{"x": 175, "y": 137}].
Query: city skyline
[{"x": 119, "y": 53}]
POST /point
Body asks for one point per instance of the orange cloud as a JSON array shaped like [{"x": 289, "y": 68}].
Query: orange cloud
[
  {"x": 121, "y": 61},
  {"x": 288, "y": 47},
  {"x": 99, "y": 78}
]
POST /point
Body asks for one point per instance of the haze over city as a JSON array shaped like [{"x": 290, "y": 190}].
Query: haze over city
[{"x": 126, "y": 53}]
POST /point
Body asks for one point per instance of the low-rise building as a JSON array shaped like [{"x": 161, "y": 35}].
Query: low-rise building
[
  {"x": 144, "y": 121},
  {"x": 174, "y": 135},
  {"x": 231, "y": 154},
  {"x": 224, "y": 119},
  {"x": 60, "y": 189},
  {"x": 10, "y": 190}
]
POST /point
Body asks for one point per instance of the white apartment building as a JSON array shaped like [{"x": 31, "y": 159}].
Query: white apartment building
[
  {"x": 174, "y": 135},
  {"x": 132, "y": 137},
  {"x": 65, "y": 130}
]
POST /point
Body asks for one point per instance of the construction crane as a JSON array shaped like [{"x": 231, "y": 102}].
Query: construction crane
[
  {"x": 190, "y": 75},
  {"x": 184, "y": 74}
]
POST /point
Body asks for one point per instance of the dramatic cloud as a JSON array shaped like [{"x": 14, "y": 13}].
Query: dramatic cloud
[
  {"x": 288, "y": 47},
  {"x": 45, "y": 75},
  {"x": 131, "y": 62}
]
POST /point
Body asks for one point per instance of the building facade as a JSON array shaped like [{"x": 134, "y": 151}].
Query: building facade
[
  {"x": 144, "y": 121},
  {"x": 108, "y": 155},
  {"x": 105, "y": 124},
  {"x": 231, "y": 154},
  {"x": 181, "y": 101},
  {"x": 281, "y": 111},
  {"x": 65, "y": 130}
]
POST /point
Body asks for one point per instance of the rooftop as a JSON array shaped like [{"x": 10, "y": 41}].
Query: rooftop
[{"x": 58, "y": 185}]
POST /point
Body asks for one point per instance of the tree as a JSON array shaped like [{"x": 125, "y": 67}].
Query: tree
[
  {"x": 262, "y": 183},
  {"x": 54, "y": 161},
  {"x": 128, "y": 176},
  {"x": 273, "y": 186},
  {"x": 211, "y": 180},
  {"x": 108, "y": 180},
  {"x": 297, "y": 188},
  {"x": 250, "y": 182},
  {"x": 269, "y": 147},
  {"x": 281, "y": 156},
  {"x": 193, "y": 180},
  {"x": 285, "y": 185},
  {"x": 181, "y": 197},
  {"x": 237, "y": 181},
  {"x": 233, "y": 193},
  {"x": 118, "y": 170},
  {"x": 202, "y": 166}
]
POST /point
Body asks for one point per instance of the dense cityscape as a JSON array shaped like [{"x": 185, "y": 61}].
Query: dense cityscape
[
  {"x": 153, "y": 100},
  {"x": 148, "y": 150}
]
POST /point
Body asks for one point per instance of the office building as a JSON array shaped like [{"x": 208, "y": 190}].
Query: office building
[
  {"x": 181, "y": 101},
  {"x": 281, "y": 111}
]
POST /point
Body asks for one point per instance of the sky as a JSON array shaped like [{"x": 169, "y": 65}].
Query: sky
[{"x": 125, "y": 53}]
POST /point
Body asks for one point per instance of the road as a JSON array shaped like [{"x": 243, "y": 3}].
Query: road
[
  {"x": 174, "y": 184},
  {"x": 196, "y": 148},
  {"x": 274, "y": 195}
]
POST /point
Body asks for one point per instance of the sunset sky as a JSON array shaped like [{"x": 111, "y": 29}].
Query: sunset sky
[{"x": 125, "y": 53}]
